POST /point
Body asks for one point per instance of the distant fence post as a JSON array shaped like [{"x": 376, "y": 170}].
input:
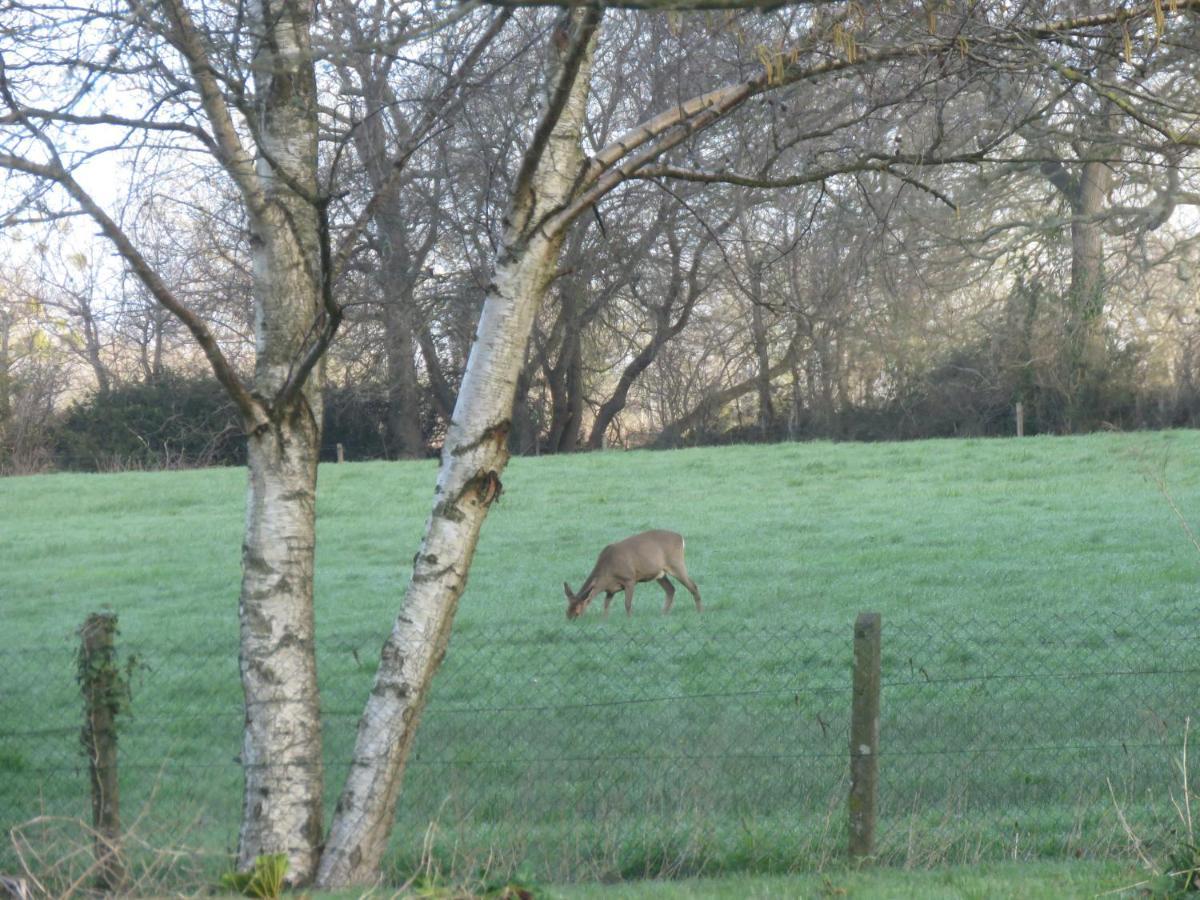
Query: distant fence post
[
  {"x": 864, "y": 736},
  {"x": 341, "y": 453},
  {"x": 1020, "y": 420},
  {"x": 104, "y": 692}
]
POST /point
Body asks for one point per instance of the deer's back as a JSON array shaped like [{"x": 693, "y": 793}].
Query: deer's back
[{"x": 644, "y": 555}]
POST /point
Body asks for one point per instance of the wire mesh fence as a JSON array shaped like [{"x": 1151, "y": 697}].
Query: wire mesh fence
[{"x": 669, "y": 746}]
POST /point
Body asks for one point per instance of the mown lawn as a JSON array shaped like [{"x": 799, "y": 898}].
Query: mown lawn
[{"x": 1038, "y": 596}]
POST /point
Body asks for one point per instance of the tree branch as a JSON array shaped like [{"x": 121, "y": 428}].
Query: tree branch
[
  {"x": 254, "y": 415},
  {"x": 231, "y": 154},
  {"x": 444, "y": 101}
]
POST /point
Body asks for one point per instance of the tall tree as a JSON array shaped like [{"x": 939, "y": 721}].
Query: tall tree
[
  {"x": 207, "y": 87},
  {"x": 474, "y": 455}
]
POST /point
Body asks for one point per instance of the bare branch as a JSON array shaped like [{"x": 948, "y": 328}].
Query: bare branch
[
  {"x": 231, "y": 154},
  {"x": 254, "y": 416}
]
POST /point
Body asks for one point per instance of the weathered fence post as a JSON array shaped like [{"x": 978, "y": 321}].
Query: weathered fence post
[
  {"x": 341, "y": 453},
  {"x": 864, "y": 736},
  {"x": 1020, "y": 420},
  {"x": 104, "y": 691}
]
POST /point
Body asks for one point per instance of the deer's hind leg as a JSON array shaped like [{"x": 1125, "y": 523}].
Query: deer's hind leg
[
  {"x": 670, "y": 589},
  {"x": 681, "y": 576}
]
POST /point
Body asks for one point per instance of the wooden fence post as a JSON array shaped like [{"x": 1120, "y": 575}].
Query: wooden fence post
[
  {"x": 341, "y": 453},
  {"x": 864, "y": 736},
  {"x": 104, "y": 693},
  {"x": 1020, "y": 420}
]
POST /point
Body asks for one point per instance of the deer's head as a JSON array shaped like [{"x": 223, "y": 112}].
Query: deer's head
[{"x": 576, "y": 603}]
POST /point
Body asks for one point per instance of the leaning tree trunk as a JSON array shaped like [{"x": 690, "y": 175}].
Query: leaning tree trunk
[
  {"x": 473, "y": 457},
  {"x": 281, "y": 751}
]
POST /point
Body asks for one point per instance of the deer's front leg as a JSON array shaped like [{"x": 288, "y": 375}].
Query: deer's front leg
[
  {"x": 629, "y": 598},
  {"x": 607, "y": 600}
]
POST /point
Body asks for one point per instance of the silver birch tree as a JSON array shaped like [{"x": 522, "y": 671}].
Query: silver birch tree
[
  {"x": 474, "y": 455},
  {"x": 276, "y": 179}
]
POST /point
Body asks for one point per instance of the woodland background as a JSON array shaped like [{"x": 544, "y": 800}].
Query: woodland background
[{"x": 1010, "y": 238}]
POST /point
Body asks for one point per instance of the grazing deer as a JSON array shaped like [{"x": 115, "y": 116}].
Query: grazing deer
[{"x": 649, "y": 556}]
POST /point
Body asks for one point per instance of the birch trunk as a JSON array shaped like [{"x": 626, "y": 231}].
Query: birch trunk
[
  {"x": 473, "y": 457},
  {"x": 281, "y": 751}
]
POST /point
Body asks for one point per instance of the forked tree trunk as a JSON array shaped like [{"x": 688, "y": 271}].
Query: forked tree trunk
[
  {"x": 281, "y": 751},
  {"x": 473, "y": 457}
]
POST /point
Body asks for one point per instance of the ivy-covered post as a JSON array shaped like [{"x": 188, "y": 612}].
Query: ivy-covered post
[{"x": 105, "y": 695}]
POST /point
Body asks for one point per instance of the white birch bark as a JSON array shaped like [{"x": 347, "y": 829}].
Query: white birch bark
[
  {"x": 474, "y": 456},
  {"x": 281, "y": 752}
]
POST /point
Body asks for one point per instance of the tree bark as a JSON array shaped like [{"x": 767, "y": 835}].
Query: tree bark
[
  {"x": 474, "y": 456},
  {"x": 524, "y": 434},
  {"x": 396, "y": 279},
  {"x": 565, "y": 379},
  {"x": 405, "y": 440},
  {"x": 281, "y": 750},
  {"x": 766, "y": 408},
  {"x": 1086, "y": 303},
  {"x": 620, "y": 396}
]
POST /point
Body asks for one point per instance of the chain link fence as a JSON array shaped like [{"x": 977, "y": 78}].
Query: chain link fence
[{"x": 662, "y": 746}]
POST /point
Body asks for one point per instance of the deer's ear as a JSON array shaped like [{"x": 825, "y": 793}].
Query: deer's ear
[{"x": 567, "y": 589}]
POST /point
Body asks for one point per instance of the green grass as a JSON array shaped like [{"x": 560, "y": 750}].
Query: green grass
[
  {"x": 814, "y": 530},
  {"x": 1028, "y": 881},
  {"x": 1039, "y": 604},
  {"x": 1042, "y": 881}
]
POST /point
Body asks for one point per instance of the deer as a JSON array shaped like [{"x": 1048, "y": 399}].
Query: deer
[{"x": 649, "y": 556}]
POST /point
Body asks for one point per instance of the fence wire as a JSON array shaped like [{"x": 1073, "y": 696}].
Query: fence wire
[{"x": 628, "y": 749}]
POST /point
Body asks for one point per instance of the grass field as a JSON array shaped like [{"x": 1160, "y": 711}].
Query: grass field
[
  {"x": 655, "y": 745},
  {"x": 1060, "y": 881},
  {"x": 1027, "y": 881}
]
